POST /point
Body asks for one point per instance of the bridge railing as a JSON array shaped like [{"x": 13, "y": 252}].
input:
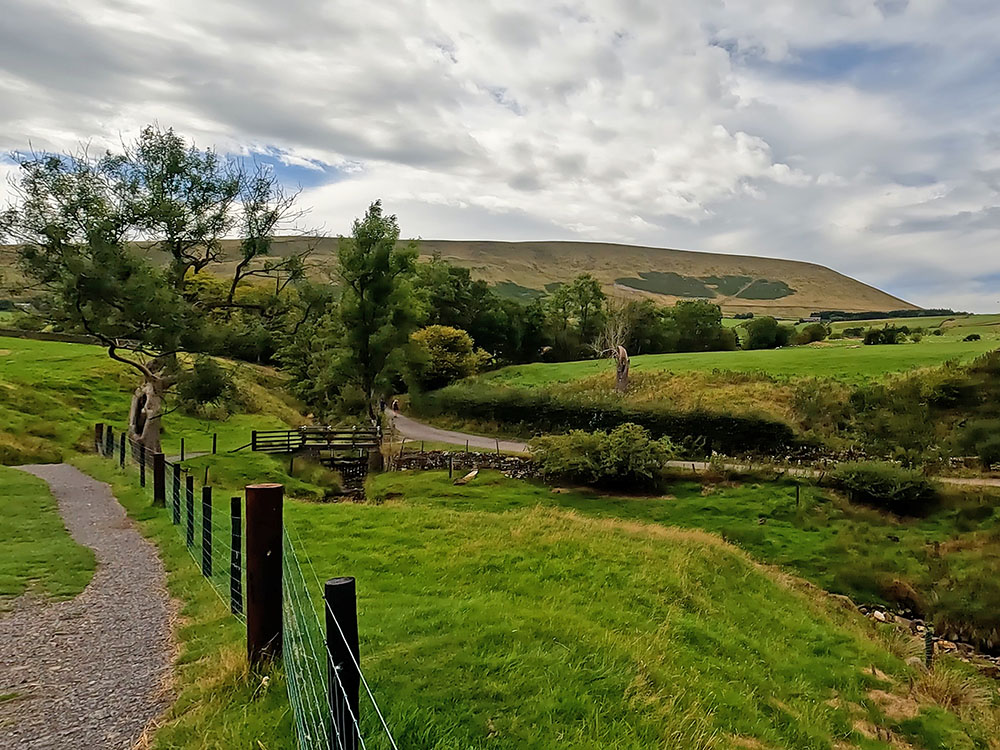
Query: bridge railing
[{"x": 314, "y": 438}]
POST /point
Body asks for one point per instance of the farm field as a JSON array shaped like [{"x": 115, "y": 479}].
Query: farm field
[{"x": 845, "y": 360}]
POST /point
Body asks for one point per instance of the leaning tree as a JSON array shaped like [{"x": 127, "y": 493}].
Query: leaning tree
[{"x": 84, "y": 227}]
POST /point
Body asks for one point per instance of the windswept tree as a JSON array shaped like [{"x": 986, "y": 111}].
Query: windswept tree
[{"x": 76, "y": 221}]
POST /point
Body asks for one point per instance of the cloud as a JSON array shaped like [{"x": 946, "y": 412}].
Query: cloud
[{"x": 861, "y": 134}]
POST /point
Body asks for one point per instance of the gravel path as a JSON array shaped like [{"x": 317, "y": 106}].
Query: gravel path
[{"x": 88, "y": 673}]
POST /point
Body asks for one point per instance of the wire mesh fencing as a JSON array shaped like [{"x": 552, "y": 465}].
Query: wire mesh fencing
[{"x": 333, "y": 705}]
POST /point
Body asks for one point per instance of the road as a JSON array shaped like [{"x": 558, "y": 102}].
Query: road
[{"x": 411, "y": 429}]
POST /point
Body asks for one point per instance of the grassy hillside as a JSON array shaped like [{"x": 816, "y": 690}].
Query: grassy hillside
[{"x": 738, "y": 283}]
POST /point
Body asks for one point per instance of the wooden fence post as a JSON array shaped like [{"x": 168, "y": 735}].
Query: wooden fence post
[
  {"x": 109, "y": 442},
  {"x": 264, "y": 528},
  {"x": 159, "y": 480},
  {"x": 253, "y": 440},
  {"x": 177, "y": 494},
  {"x": 206, "y": 532},
  {"x": 236, "y": 558},
  {"x": 98, "y": 436},
  {"x": 189, "y": 487},
  {"x": 121, "y": 451},
  {"x": 345, "y": 660}
]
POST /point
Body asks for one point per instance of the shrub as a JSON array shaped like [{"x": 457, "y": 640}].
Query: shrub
[
  {"x": 766, "y": 333},
  {"x": 886, "y": 335},
  {"x": 207, "y": 383},
  {"x": 533, "y": 410},
  {"x": 855, "y": 332},
  {"x": 440, "y": 355},
  {"x": 902, "y": 491},
  {"x": 835, "y": 336},
  {"x": 981, "y": 437},
  {"x": 626, "y": 457},
  {"x": 937, "y": 332},
  {"x": 812, "y": 332},
  {"x": 972, "y": 337}
]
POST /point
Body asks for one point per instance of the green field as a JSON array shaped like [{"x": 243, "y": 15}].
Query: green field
[
  {"x": 845, "y": 360},
  {"x": 39, "y": 555}
]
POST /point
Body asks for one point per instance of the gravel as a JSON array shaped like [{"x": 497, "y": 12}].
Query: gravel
[{"x": 90, "y": 672}]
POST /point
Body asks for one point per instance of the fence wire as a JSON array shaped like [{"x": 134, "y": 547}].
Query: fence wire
[{"x": 324, "y": 719}]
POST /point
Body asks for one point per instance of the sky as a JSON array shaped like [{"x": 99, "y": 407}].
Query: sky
[{"x": 863, "y": 135}]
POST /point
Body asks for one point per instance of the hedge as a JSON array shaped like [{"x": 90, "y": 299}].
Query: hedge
[{"x": 538, "y": 411}]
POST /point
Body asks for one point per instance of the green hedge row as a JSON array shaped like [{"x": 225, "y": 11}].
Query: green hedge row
[{"x": 537, "y": 411}]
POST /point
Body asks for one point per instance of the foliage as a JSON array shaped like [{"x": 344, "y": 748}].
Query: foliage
[
  {"x": 981, "y": 437},
  {"x": 905, "y": 492},
  {"x": 206, "y": 383},
  {"x": 530, "y": 411},
  {"x": 886, "y": 335},
  {"x": 699, "y": 327},
  {"x": 972, "y": 337},
  {"x": 624, "y": 458},
  {"x": 811, "y": 332},
  {"x": 439, "y": 355},
  {"x": 764, "y": 332}
]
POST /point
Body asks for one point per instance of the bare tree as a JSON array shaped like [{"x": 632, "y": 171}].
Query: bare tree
[{"x": 613, "y": 337}]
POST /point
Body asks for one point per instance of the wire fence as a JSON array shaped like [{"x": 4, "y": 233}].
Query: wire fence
[{"x": 322, "y": 665}]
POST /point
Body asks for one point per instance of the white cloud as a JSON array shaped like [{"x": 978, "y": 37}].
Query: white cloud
[{"x": 855, "y": 133}]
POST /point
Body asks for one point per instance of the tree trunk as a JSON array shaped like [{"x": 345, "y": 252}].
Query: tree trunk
[
  {"x": 621, "y": 370},
  {"x": 145, "y": 413}
]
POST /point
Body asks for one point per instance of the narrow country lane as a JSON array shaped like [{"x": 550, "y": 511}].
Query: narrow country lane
[{"x": 88, "y": 673}]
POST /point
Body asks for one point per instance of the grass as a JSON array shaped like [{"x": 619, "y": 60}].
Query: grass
[
  {"x": 52, "y": 393},
  {"x": 519, "y": 618},
  {"x": 39, "y": 555},
  {"x": 833, "y": 360}
]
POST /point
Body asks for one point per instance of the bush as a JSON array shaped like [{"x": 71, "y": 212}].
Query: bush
[
  {"x": 534, "y": 410},
  {"x": 812, "y": 332},
  {"x": 207, "y": 383},
  {"x": 887, "y": 335},
  {"x": 982, "y": 438},
  {"x": 886, "y": 486},
  {"x": 854, "y": 332},
  {"x": 937, "y": 332},
  {"x": 440, "y": 355},
  {"x": 972, "y": 337},
  {"x": 766, "y": 333},
  {"x": 626, "y": 457}
]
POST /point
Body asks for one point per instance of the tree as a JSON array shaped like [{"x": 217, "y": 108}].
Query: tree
[
  {"x": 440, "y": 355},
  {"x": 699, "y": 327},
  {"x": 812, "y": 332},
  {"x": 611, "y": 343},
  {"x": 376, "y": 312},
  {"x": 587, "y": 304},
  {"x": 75, "y": 221},
  {"x": 766, "y": 333}
]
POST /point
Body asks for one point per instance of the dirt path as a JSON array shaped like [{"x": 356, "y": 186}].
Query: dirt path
[
  {"x": 88, "y": 673},
  {"x": 414, "y": 430},
  {"x": 411, "y": 429}
]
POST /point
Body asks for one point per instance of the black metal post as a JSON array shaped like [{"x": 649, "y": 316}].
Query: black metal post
[
  {"x": 206, "y": 532},
  {"x": 215, "y": 442},
  {"x": 121, "y": 451},
  {"x": 345, "y": 660},
  {"x": 264, "y": 625},
  {"x": 236, "y": 558},
  {"x": 451, "y": 464},
  {"x": 142, "y": 465},
  {"x": 109, "y": 441},
  {"x": 190, "y": 509},
  {"x": 177, "y": 494},
  {"x": 98, "y": 436},
  {"x": 182, "y": 449}
]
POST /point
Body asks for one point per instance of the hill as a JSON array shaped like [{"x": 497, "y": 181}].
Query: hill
[{"x": 737, "y": 283}]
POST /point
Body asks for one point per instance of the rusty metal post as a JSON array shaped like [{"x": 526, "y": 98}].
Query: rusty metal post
[
  {"x": 159, "y": 480},
  {"x": 264, "y": 527}
]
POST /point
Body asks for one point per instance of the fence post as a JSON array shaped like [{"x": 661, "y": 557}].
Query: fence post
[
  {"x": 206, "y": 532},
  {"x": 236, "y": 558},
  {"x": 928, "y": 647},
  {"x": 159, "y": 479},
  {"x": 253, "y": 440},
  {"x": 98, "y": 436},
  {"x": 340, "y": 596},
  {"x": 121, "y": 451},
  {"x": 451, "y": 464},
  {"x": 177, "y": 494},
  {"x": 264, "y": 529},
  {"x": 189, "y": 487},
  {"x": 142, "y": 465},
  {"x": 109, "y": 442},
  {"x": 215, "y": 442},
  {"x": 182, "y": 449}
]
